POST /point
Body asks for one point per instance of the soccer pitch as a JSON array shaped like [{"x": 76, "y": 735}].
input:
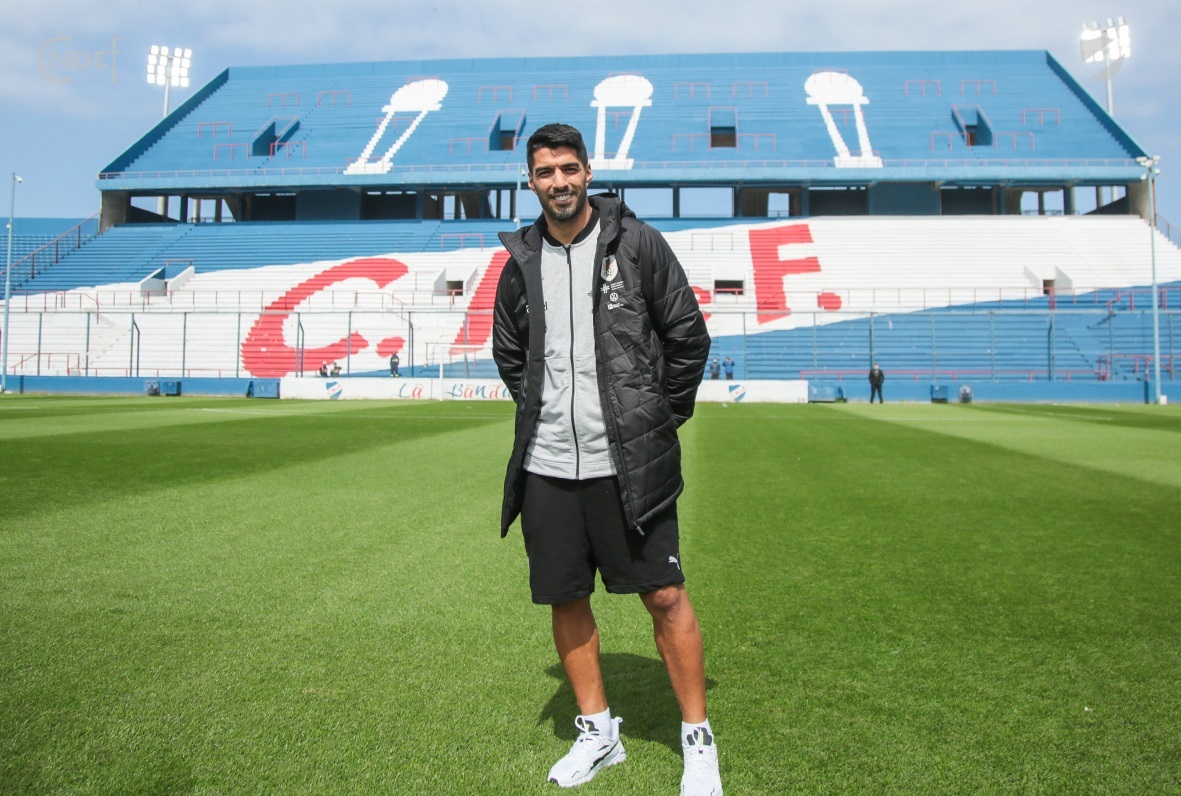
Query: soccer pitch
[{"x": 242, "y": 597}]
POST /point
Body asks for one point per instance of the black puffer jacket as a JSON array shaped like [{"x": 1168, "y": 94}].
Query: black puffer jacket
[{"x": 650, "y": 350}]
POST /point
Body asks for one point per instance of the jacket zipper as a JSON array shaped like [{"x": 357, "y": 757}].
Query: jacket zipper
[
  {"x": 573, "y": 371},
  {"x": 605, "y": 401}
]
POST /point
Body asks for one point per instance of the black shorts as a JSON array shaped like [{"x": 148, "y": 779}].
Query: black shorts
[{"x": 573, "y": 528}]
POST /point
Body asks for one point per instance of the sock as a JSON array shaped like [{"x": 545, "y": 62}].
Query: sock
[
  {"x": 687, "y": 730},
  {"x": 603, "y": 723}
]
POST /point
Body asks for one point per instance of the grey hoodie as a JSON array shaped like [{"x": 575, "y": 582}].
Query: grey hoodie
[{"x": 570, "y": 441}]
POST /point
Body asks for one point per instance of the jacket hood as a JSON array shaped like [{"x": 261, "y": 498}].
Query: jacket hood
[{"x": 527, "y": 241}]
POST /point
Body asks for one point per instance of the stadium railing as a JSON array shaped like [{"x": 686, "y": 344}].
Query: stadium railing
[
  {"x": 1171, "y": 233},
  {"x": 1016, "y": 345},
  {"x": 418, "y": 290},
  {"x": 53, "y": 251},
  {"x": 955, "y": 374},
  {"x": 510, "y": 169},
  {"x": 1126, "y": 298},
  {"x": 1141, "y": 364}
]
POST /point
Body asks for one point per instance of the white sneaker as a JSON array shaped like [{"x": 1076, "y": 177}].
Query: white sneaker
[
  {"x": 594, "y": 750},
  {"x": 701, "y": 777}
]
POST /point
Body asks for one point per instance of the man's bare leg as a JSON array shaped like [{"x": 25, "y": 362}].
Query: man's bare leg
[
  {"x": 577, "y": 639},
  {"x": 598, "y": 745},
  {"x": 678, "y": 638}
]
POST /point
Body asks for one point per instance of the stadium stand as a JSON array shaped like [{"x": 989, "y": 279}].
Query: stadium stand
[{"x": 877, "y": 208}]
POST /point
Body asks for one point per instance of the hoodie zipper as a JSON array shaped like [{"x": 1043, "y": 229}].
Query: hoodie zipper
[{"x": 573, "y": 371}]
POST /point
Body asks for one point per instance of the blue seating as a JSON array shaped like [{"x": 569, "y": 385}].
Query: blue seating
[{"x": 1019, "y": 105}]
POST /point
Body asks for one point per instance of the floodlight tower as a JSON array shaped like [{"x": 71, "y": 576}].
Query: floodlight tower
[
  {"x": 1150, "y": 172},
  {"x": 1109, "y": 44},
  {"x": 8, "y": 282},
  {"x": 168, "y": 68}
]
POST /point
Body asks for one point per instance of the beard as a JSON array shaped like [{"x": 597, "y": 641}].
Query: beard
[{"x": 565, "y": 212}]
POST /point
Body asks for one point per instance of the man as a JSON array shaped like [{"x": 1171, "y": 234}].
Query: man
[
  {"x": 728, "y": 367},
  {"x": 715, "y": 369},
  {"x": 876, "y": 377},
  {"x": 394, "y": 362},
  {"x": 599, "y": 338}
]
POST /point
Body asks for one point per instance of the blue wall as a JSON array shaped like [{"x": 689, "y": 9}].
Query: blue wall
[
  {"x": 83, "y": 385},
  {"x": 985, "y": 391},
  {"x": 1129, "y": 392}
]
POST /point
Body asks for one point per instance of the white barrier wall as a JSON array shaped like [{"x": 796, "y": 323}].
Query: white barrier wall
[
  {"x": 344, "y": 388},
  {"x": 760, "y": 391}
]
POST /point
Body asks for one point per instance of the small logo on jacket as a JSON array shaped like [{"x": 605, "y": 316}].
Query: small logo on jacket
[
  {"x": 610, "y": 268},
  {"x": 673, "y": 560}
]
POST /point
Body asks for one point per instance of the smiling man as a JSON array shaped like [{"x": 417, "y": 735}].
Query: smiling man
[{"x": 600, "y": 340}]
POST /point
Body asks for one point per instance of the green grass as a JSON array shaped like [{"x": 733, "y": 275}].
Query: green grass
[{"x": 242, "y": 597}]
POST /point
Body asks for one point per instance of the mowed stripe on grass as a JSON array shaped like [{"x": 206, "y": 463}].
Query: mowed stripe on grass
[
  {"x": 294, "y": 597},
  {"x": 924, "y": 613}
]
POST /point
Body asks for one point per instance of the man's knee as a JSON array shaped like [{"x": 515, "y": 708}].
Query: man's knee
[{"x": 665, "y": 600}]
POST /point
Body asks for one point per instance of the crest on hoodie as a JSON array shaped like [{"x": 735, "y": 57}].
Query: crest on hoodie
[{"x": 610, "y": 269}]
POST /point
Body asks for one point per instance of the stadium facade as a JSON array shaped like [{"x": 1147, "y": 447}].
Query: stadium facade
[{"x": 958, "y": 216}]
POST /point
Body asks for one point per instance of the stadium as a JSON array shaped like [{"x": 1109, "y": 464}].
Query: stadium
[
  {"x": 969, "y": 219},
  {"x": 211, "y": 591}
]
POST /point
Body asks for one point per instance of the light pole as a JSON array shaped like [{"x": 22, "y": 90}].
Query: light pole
[
  {"x": 8, "y": 281},
  {"x": 1109, "y": 44},
  {"x": 517, "y": 197},
  {"x": 168, "y": 68},
  {"x": 1149, "y": 164}
]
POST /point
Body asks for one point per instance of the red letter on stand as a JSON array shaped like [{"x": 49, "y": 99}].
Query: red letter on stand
[
  {"x": 770, "y": 270},
  {"x": 265, "y": 352}
]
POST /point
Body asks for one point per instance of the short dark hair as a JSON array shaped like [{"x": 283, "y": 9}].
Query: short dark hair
[{"x": 552, "y": 136}]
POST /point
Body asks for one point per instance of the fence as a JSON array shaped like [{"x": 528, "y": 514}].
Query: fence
[{"x": 1097, "y": 344}]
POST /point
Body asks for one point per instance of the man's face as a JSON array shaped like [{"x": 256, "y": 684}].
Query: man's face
[{"x": 559, "y": 179}]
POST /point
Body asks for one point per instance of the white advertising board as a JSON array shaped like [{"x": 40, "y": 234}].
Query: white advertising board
[
  {"x": 344, "y": 388},
  {"x": 746, "y": 391}
]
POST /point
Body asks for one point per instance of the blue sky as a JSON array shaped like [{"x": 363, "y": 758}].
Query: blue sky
[{"x": 73, "y": 93}]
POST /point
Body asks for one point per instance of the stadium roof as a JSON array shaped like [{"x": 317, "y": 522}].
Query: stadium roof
[{"x": 967, "y": 118}]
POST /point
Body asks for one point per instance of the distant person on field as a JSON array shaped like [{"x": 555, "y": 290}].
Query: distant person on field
[
  {"x": 728, "y": 367},
  {"x": 394, "y": 366},
  {"x": 590, "y": 306},
  {"x": 876, "y": 377},
  {"x": 715, "y": 369}
]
